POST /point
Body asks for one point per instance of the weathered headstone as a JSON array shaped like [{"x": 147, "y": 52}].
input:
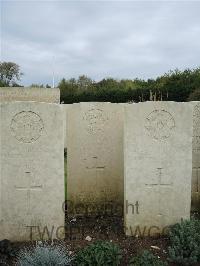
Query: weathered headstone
[
  {"x": 158, "y": 166},
  {"x": 66, "y": 110},
  {"x": 94, "y": 157},
  {"x": 32, "y": 171},
  {"x": 196, "y": 157},
  {"x": 48, "y": 95}
]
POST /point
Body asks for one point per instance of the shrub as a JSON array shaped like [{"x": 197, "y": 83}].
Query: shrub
[
  {"x": 99, "y": 253},
  {"x": 195, "y": 95},
  {"x": 146, "y": 259},
  {"x": 185, "y": 242},
  {"x": 44, "y": 255}
]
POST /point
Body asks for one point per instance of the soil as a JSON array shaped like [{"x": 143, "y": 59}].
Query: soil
[{"x": 78, "y": 230}]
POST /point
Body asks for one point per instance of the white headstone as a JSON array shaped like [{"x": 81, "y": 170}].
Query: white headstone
[
  {"x": 32, "y": 171},
  {"x": 158, "y": 166},
  {"x": 196, "y": 157},
  {"x": 94, "y": 155},
  {"x": 66, "y": 110},
  {"x": 48, "y": 95}
]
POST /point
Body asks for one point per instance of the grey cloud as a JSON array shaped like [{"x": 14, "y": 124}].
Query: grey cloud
[{"x": 99, "y": 39}]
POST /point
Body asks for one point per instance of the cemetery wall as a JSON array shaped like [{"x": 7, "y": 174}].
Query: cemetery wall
[{"x": 48, "y": 95}]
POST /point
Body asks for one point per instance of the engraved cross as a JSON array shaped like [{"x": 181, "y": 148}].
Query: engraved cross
[
  {"x": 29, "y": 188},
  {"x": 96, "y": 167},
  {"x": 160, "y": 185}
]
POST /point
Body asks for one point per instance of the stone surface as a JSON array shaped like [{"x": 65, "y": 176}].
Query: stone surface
[
  {"x": 32, "y": 171},
  {"x": 94, "y": 157},
  {"x": 66, "y": 110},
  {"x": 196, "y": 157},
  {"x": 158, "y": 166},
  {"x": 48, "y": 95}
]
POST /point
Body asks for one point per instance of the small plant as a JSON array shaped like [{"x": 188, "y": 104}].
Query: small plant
[
  {"x": 44, "y": 255},
  {"x": 100, "y": 253},
  {"x": 146, "y": 259},
  {"x": 185, "y": 242}
]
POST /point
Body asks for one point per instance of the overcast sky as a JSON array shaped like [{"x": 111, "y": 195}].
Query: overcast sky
[{"x": 120, "y": 39}]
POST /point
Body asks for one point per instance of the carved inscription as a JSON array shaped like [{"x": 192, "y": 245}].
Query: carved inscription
[
  {"x": 96, "y": 120},
  {"x": 27, "y": 126},
  {"x": 160, "y": 124}
]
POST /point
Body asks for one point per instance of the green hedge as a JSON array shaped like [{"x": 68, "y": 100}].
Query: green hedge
[{"x": 174, "y": 86}]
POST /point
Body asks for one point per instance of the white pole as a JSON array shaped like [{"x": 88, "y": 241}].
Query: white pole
[
  {"x": 53, "y": 78},
  {"x": 53, "y": 82}
]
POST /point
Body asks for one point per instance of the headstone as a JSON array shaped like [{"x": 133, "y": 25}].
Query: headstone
[
  {"x": 196, "y": 157},
  {"x": 32, "y": 171},
  {"x": 94, "y": 157},
  {"x": 48, "y": 95},
  {"x": 66, "y": 110},
  {"x": 158, "y": 166}
]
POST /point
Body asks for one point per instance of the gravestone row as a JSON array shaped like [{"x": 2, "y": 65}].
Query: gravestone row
[
  {"x": 156, "y": 168},
  {"x": 138, "y": 156}
]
